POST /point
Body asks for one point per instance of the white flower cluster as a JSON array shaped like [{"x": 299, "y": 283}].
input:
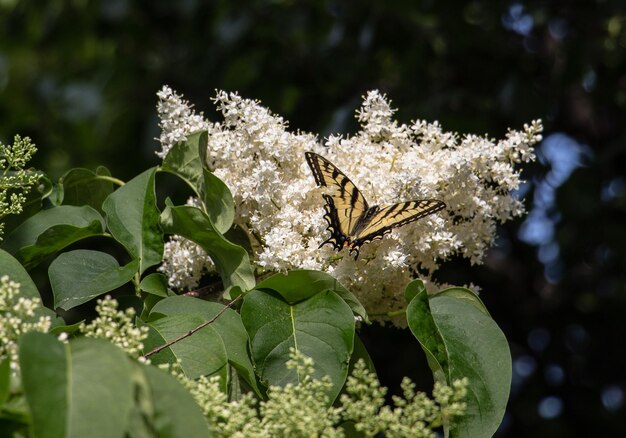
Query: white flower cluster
[
  {"x": 116, "y": 326},
  {"x": 184, "y": 261},
  {"x": 16, "y": 318},
  {"x": 177, "y": 119},
  {"x": 276, "y": 198}
]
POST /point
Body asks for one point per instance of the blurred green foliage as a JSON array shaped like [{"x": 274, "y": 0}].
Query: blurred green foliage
[{"x": 80, "y": 79}]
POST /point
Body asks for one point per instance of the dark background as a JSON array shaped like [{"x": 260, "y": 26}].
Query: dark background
[{"x": 80, "y": 79}]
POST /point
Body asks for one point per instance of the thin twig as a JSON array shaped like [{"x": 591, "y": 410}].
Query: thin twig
[{"x": 192, "y": 331}]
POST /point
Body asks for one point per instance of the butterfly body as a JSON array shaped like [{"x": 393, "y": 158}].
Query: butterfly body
[{"x": 351, "y": 221}]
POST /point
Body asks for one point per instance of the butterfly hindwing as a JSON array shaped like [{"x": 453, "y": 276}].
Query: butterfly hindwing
[{"x": 351, "y": 221}]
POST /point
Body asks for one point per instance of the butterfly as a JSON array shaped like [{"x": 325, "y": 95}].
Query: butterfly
[{"x": 351, "y": 221}]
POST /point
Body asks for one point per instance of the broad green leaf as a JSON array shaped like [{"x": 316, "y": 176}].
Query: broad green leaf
[
  {"x": 16, "y": 272},
  {"x": 176, "y": 414},
  {"x": 183, "y": 159},
  {"x": 79, "y": 276},
  {"x": 218, "y": 202},
  {"x": 298, "y": 285},
  {"x": 44, "y": 365},
  {"x": 228, "y": 326},
  {"x": 51, "y": 230},
  {"x": 425, "y": 329},
  {"x": 108, "y": 401},
  {"x": 76, "y": 390},
  {"x": 133, "y": 219},
  {"x": 463, "y": 293},
  {"x": 232, "y": 261},
  {"x": 200, "y": 354},
  {"x": 84, "y": 187},
  {"x": 321, "y": 327},
  {"x": 474, "y": 347},
  {"x": 155, "y": 284}
]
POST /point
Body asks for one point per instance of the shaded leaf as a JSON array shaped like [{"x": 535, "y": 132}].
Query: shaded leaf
[
  {"x": 133, "y": 219},
  {"x": 17, "y": 273},
  {"x": 218, "y": 201},
  {"x": 321, "y": 327},
  {"x": 49, "y": 231},
  {"x": 176, "y": 414},
  {"x": 155, "y": 284},
  {"x": 228, "y": 326},
  {"x": 84, "y": 187},
  {"x": 200, "y": 354},
  {"x": 78, "y": 389},
  {"x": 466, "y": 343},
  {"x": 297, "y": 285},
  {"x": 5, "y": 379},
  {"x": 183, "y": 159},
  {"x": 79, "y": 276}
]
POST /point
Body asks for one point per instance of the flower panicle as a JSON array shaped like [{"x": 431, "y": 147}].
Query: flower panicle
[{"x": 278, "y": 203}]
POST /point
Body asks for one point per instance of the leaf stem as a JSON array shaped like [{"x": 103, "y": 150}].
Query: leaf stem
[
  {"x": 119, "y": 182},
  {"x": 390, "y": 314},
  {"x": 192, "y": 331}
]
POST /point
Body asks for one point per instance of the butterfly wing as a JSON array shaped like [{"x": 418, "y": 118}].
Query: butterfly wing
[
  {"x": 345, "y": 205},
  {"x": 351, "y": 221},
  {"x": 384, "y": 220}
]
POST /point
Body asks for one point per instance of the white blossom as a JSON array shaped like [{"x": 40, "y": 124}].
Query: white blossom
[
  {"x": 116, "y": 326},
  {"x": 177, "y": 119},
  {"x": 16, "y": 318},
  {"x": 276, "y": 198}
]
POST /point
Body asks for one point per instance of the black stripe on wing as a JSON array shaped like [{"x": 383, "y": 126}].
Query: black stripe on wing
[
  {"x": 345, "y": 200},
  {"x": 397, "y": 215}
]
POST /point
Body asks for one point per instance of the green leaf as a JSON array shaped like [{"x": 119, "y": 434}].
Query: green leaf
[
  {"x": 463, "y": 293},
  {"x": 425, "y": 329},
  {"x": 176, "y": 414},
  {"x": 361, "y": 353},
  {"x": 218, "y": 201},
  {"x": 76, "y": 390},
  {"x": 155, "y": 284},
  {"x": 5, "y": 380},
  {"x": 298, "y": 285},
  {"x": 183, "y": 159},
  {"x": 84, "y": 187},
  {"x": 200, "y": 354},
  {"x": 412, "y": 289},
  {"x": 17, "y": 273},
  {"x": 65, "y": 328},
  {"x": 228, "y": 326},
  {"x": 133, "y": 219},
  {"x": 232, "y": 261},
  {"x": 466, "y": 343},
  {"x": 44, "y": 366},
  {"x": 238, "y": 236},
  {"x": 321, "y": 327},
  {"x": 51, "y": 230},
  {"x": 79, "y": 276}
]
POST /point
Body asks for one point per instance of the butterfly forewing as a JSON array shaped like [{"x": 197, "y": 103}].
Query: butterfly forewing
[{"x": 345, "y": 200}]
